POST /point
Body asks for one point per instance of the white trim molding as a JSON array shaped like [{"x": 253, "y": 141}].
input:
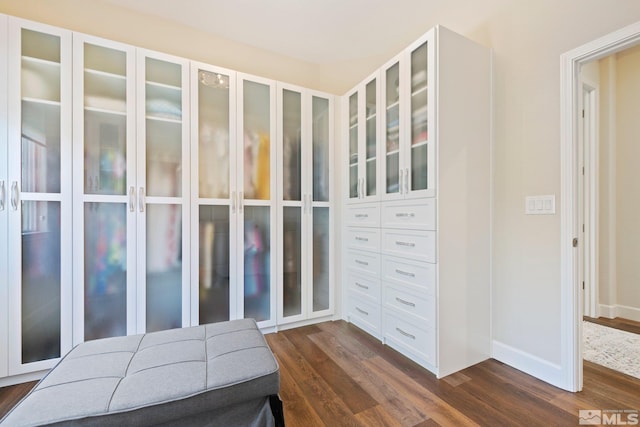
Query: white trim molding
[
  {"x": 528, "y": 363},
  {"x": 571, "y": 292}
]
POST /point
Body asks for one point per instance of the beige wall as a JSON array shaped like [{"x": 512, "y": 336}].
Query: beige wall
[
  {"x": 628, "y": 180},
  {"x": 528, "y": 38}
]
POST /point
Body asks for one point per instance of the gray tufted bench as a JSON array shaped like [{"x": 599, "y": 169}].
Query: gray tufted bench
[{"x": 220, "y": 374}]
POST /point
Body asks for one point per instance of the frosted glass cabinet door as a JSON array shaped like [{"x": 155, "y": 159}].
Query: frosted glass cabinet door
[
  {"x": 214, "y": 195},
  {"x": 214, "y": 273},
  {"x": 256, "y": 140},
  {"x": 257, "y": 196},
  {"x": 105, "y": 193},
  {"x": 39, "y": 194},
  {"x": 419, "y": 125},
  {"x": 163, "y": 192},
  {"x": 257, "y": 263},
  {"x": 292, "y": 182},
  {"x": 354, "y": 173},
  {"x": 392, "y": 130},
  {"x": 319, "y": 229},
  {"x": 371, "y": 139},
  {"x": 215, "y": 108}
]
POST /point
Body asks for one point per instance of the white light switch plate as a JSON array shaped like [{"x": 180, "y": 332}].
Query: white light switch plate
[{"x": 540, "y": 205}]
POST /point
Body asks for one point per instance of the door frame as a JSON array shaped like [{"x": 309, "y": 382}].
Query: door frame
[
  {"x": 589, "y": 101},
  {"x": 570, "y": 292}
]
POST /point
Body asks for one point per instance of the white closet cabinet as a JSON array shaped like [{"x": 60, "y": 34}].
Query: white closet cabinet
[
  {"x": 4, "y": 214},
  {"x": 361, "y": 108},
  {"x": 434, "y": 220},
  {"x": 233, "y": 161},
  {"x": 304, "y": 152},
  {"x": 361, "y": 243},
  {"x": 131, "y": 190},
  {"x": 35, "y": 196}
]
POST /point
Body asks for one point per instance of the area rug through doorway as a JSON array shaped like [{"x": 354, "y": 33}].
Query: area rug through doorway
[{"x": 613, "y": 348}]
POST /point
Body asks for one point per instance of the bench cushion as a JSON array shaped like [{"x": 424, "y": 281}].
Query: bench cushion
[{"x": 155, "y": 378}]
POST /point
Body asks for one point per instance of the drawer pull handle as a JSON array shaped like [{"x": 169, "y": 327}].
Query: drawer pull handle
[
  {"x": 406, "y": 334},
  {"x": 361, "y": 262},
  {"x": 361, "y": 286},
  {"x": 405, "y": 215},
  {"x": 405, "y": 273},
  {"x": 409, "y": 303},
  {"x": 362, "y": 311},
  {"x": 407, "y": 244},
  {"x": 362, "y": 239},
  {"x": 362, "y": 215}
]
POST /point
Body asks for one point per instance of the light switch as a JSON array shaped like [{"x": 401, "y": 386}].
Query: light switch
[{"x": 540, "y": 205}]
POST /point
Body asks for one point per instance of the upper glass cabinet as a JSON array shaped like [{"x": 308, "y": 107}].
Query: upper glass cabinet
[
  {"x": 408, "y": 165},
  {"x": 363, "y": 141}
]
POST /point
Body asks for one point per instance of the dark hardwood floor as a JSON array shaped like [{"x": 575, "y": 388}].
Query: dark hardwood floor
[{"x": 333, "y": 374}]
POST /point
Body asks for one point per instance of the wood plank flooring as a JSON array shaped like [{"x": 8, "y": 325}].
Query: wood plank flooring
[{"x": 334, "y": 374}]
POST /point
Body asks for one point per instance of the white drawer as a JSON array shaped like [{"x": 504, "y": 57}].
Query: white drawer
[
  {"x": 418, "y": 245},
  {"x": 410, "y": 300},
  {"x": 412, "y": 272},
  {"x": 366, "y": 285},
  {"x": 364, "y": 313},
  {"x": 363, "y": 263},
  {"x": 419, "y": 340},
  {"x": 367, "y": 239},
  {"x": 363, "y": 215},
  {"x": 410, "y": 215}
]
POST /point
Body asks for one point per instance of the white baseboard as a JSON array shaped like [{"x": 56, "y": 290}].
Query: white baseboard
[
  {"x": 613, "y": 311},
  {"x": 528, "y": 363}
]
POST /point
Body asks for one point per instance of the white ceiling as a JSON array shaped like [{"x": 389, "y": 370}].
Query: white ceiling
[{"x": 318, "y": 31}]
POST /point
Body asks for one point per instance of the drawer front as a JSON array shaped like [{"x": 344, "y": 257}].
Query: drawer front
[
  {"x": 414, "y": 273},
  {"x": 418, "y": 245},
  {"x": 367, "y": 239},
  {"x": 417, "y": 339},
  {"x": 363, "y": 216},
  {"x": 365, "y": 285},
  {"x": 410, "y": 215},
  {"x": 363, "y": 262},
  {"x": 411, "y": 301},
  {"x": 364, "y": 313}
]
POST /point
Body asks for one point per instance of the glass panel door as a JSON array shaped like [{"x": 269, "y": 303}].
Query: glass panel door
[
  {"x": 38, "y": 195},
  {"x": 319, "y": 228},
  {"x": 214, "y": 264},
  {"x": 392, "y": 129},
  {"x": 292, "y": 199},
  {"x": 257, "y": 198},
  {"x": 419, "y": 122},
  {"x": 371, "y": 138},
  {"x": 354, "y": 178},
  {"x": 163, "y": 195},
  {"x": 257, "y": 263},
  {"x": 107, "y": 192},
  {"x": 213, "y": 269}
]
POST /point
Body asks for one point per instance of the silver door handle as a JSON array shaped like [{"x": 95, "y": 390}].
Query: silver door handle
[
  {"x": 406, "y": 181},
  {"x": 141, "y": 199},
  {"x": 309, "y": 203},
  {"x": 407, "y": 244},
  {"x": 401, "y": 180},
  {"x": 233, "y": 202},
  {"x": 132, "y": 199},
  {"x": 405, "y": 273},
  {"x": 3, "y": 194},
  {"x": 406, "y": 334},
  {"x": 14, "y": 195},
  {"x": 405, "y": 302}
]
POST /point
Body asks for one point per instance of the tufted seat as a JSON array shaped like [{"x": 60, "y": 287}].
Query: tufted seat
[{"x": 221, "y": 373}]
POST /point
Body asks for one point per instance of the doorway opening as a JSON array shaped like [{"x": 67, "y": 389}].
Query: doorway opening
[{"x": 578, "y": 240}]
